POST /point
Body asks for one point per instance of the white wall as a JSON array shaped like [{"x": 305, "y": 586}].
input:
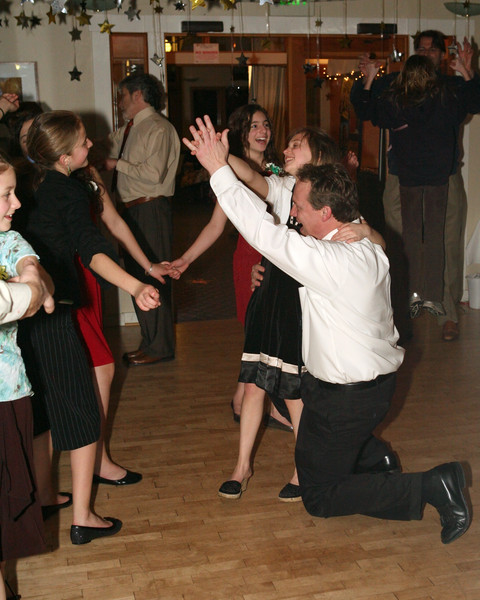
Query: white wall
[{"x": 51, "y": 46}]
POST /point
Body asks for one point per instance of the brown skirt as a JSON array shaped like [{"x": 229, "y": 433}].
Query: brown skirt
[{"x": 21, "y": 524}]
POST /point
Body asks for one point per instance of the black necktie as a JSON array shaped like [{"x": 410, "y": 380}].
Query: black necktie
[{"x": 113, "y": 187}]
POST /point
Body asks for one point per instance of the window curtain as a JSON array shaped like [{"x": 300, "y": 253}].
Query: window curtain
[{"x": 267, "y": 88}]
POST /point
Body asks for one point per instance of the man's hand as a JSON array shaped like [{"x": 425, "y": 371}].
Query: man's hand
[
  {"x": 147, "y": 297},
  {"x": 463, "y": 61},
  {"x": 256, "y": 276},
  {"x": 366, "y": 64},
  {"x": 210, "y": 148},
  {"x": 41, "y": 285},
  {"x": 110, "y": 164}
]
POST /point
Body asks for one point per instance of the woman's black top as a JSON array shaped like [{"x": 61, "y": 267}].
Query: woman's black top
[{"x": 59, "y": 225}]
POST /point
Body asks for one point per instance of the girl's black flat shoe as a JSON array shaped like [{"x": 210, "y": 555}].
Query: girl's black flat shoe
[{"x": 80, "y": 534}]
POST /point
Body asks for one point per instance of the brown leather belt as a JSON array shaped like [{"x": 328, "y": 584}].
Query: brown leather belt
[{"x": 141, "y": 200}]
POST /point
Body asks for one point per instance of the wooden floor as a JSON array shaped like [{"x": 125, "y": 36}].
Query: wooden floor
[{"x": 180, "y": 541}]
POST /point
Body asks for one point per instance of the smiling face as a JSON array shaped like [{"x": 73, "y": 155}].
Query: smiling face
[
  {"x": 78, "y": 157},
  {"x": 303, "y": 211},
  {"x": 297, "y": 154},
  {"x": 259, "y": 134},
  {"x": 9, "y": 203}
]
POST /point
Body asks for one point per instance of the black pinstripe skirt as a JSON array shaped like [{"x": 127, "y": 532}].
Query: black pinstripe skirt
[{"x": 56, "y": 361}]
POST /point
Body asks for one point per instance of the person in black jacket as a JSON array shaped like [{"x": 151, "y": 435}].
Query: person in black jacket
[
  {"x": 423, "y": 114},
  {"x": 59, "y": 227}
]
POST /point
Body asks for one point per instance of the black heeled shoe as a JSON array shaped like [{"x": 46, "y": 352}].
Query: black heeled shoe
[
  {"x": 129, "y": 479},
  {"x": 236, "y": 417},
  {"x": 80, "y": 534},
  {"x": 52, "y": 509}
]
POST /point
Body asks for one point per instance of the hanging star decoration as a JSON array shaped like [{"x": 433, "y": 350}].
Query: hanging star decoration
[
  {"x": 308, "y": 68},
  {"x": 58, "y": 6},
  {"x": 318, "y": 82},
  {"x": 196, "y": 3},
  {"x": 51, "y": 16},
  {"x": 34, "y": 21},
  {"x": 158, "y": 60},
  {"x": 318, "y": 23},
  {"x": 106, "y": 27},
  {"x": 5, "y": 6},
  {"x": 22, "y": 20},
  {"x": 83, "y": 19},
  {"x": 232, "y": 29},
  {"x": 75, "y": 74},
  {"x": 228, "y": 4},
  {"x": 158, "y": 10},
  {"x": 345, "y": 42},
  {"x": 242, "y": 60},
  {"x": 132, "y": 13},
  {"x": 75, "y": 33},
  {"x": 179, "y": 5}
]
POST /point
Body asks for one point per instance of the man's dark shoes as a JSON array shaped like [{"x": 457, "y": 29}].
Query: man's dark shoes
[
  {"x": 129, "y": 479},
  {"x": 83, "y": 535},
  {"x": 52, "y": 509},
  {"x": 442, "y": 487},
  {"x": 146, "y": 359},
  {"x": 388, "y": 464}
]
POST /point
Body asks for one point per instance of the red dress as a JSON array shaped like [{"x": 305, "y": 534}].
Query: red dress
[
  {"x": 89, "y": 319},
  {"x": 244, "y": 258}
]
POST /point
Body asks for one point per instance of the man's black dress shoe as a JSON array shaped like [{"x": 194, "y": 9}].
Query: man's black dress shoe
[
  {"x": 388, "y": 464},
  {"x": 130, "y": 478},
  {"x": 146, "y": 359},
  {"x": 83, "y": 535},
  {"x": 52, "y": 509},
  {"x": 445, "y": 484}
]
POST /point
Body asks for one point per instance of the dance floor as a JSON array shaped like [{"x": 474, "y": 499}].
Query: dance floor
[{"x": 179, "y": 541}]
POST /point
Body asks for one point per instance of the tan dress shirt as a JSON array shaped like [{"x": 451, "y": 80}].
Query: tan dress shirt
[{"x": 150, "y": 158}]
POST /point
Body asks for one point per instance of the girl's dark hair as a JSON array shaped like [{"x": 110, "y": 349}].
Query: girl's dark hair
[
  {"x": 417, "y": 81},
  {"x": 239, "y": 125},
  {"x": 25, "y": 112},
  {"x": 323, "y": 148}
]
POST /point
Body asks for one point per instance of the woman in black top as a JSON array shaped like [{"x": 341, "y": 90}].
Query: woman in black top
[{"x": 59, "y": 226}]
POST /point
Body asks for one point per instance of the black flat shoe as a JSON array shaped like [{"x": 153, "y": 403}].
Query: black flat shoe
[
  {"x": 129, "y": 479},
  {"x": 290, "y": 493},
  {"x": 232, "y": 490},
  {"x": 52, "y": 509},
  {"x": 83, "y": 535},
  {"x": 274, "y": 423}
]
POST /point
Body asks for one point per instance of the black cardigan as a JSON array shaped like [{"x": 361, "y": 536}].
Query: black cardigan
[{"x": 59, "y": 225}]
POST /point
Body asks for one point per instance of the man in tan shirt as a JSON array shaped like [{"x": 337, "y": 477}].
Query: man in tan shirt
[{"x": 147, "y": 150}]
